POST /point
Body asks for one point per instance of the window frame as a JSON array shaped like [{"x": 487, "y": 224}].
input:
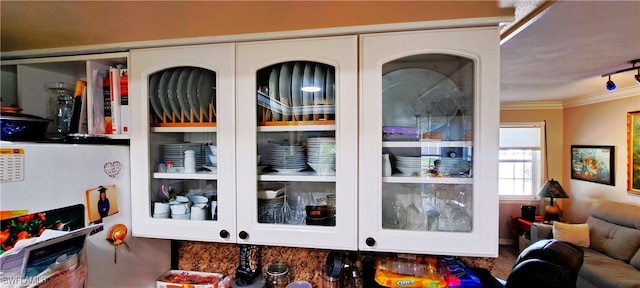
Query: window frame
[{"x": 542, "y": 171}]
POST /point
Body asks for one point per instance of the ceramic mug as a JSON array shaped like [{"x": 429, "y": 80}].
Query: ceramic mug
[
  {"x": 199, "y": 212},
  {"x": 160, "y": 208}
]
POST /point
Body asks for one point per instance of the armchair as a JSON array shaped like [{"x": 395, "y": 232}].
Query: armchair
[{"x": 548, "y": 263}]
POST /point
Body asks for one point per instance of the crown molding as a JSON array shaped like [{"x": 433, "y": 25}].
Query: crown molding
[
  {"x": 574, "y": 101},
  {"x": 602, "y": 96},
  {"x": 533, "y": 105}
]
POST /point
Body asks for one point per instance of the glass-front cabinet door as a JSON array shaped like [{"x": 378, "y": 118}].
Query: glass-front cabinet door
[
  {"x": 183, "y": 142},
  {"x": 297, "y": 142},
  {"x": 429, "y": 122}
]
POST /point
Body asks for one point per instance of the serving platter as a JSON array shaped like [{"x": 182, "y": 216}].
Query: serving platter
[
  {"x": 284, "y": 87},
  {"x": 406, "y": 89},
  {"x": 296, "y": 89},
  {"x": 192, "y": 92},
  {"x": 182, "y": 92},
  {"x": 273, "y": 91},
  {"x": 162, "y": 93},
  {"x": 154, "y": 82},
  {"x": 172, "y": 92},
  {"x": 206, "y": 92}
]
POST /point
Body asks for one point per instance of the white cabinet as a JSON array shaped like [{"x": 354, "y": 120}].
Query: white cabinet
[
  {"x": 297, "y": 109},
  {"x": 24, "y": 83},
  {"x": 300, "y": 149},
  {"x": 183, "y": 99},
  {"x": 429, "y": 101}
]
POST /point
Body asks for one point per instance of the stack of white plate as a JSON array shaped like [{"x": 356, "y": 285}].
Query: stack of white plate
[
  {"x": 409, "y": 166},
  {"x": 287, "y": 158},
  {"x": 321, "y": 155},
  {"x": 175, "y": 153}
]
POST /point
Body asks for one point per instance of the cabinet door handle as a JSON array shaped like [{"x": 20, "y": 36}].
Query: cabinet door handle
[
  {"x": 370, "y": 241},
  {"x": 243, "y": 235},
  {"x": 224, "y": 234}
]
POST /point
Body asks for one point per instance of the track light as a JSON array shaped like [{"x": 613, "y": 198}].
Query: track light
[{"x": 612, "y": 86}]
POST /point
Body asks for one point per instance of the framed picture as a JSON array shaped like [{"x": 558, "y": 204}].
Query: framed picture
[
  {"x": 593, "y": 163},
  {"x": 633, "y": 144}
]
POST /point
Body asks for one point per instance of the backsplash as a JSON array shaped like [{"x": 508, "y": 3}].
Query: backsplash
[{"x": 305, "y": 264}]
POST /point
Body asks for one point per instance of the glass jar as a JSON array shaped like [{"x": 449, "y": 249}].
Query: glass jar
[
  {"x": 64, "y": 104},
  {"x": 64, "y": 112},
  {"x": 278, "y": 275}
]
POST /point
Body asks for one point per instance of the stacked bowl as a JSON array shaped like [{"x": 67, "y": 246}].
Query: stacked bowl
[
  {"x": 409, "y": 166},
  {"x": 287, "y": 158},
  {"x": 321, "y": 155}
]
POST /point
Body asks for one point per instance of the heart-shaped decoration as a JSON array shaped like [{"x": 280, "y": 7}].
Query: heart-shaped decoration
[{"x": 112, "y": 168}]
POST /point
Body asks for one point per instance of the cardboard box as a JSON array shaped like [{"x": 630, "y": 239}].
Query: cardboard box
[{"x": 192, "y": 279}]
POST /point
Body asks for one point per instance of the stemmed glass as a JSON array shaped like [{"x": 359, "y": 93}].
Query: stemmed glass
[
  {"x": 417, "y": 108},
  {"x": 414, "y": 216}
]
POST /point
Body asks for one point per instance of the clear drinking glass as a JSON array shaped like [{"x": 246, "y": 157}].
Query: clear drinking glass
[
  {"x": 297, "y": 202},
  {"x": 394, "y": 215}
]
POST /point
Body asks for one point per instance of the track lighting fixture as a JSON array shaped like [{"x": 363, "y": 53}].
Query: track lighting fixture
[{"x": 612, "y": 86}]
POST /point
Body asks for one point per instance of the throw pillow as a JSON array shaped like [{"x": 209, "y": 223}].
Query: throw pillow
[{"x": 577, "y": 234}]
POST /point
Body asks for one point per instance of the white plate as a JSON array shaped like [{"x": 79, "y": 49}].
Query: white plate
[
  {"x": 318, "y": 81},
  {"x": 192, "y": 92},
  {"x": 211, "y": 168},
  {"x": 288, "y": 171},
  {"x": 296, "y": 88},
  {"x": 207, "y": 91},
  {"x": 172, "y": 91},
  {"x": 402, "y": 88},
  {"x": 284, "y": 87},
  {"x": 307, "y": 81},
  {"x": 182, "y": 92},
  {"x": 162, "y": 92},
  {"x": 273, "y": 91},
  {"x": 331, "y": 87},
  {"x": 153, "y": 93}
]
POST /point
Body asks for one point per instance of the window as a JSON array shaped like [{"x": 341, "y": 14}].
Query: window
[{"x": 521, "y": 160}]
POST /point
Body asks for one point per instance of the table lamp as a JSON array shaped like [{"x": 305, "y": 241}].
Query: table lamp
[{"x": 552, "y": 189}]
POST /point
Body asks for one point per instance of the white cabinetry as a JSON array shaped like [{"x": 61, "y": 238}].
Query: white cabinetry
[
  {"x": 183, "y": 98},
  {"x": 293, "y": 133},
  {"x": 297, "y": 109},
  {"x": 429, "y": 100}
]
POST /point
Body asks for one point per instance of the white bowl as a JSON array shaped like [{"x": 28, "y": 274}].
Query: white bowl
[
  {"x": 410, "y": 171},
  {"x": 322, "y": 160},
  {"x": 270, "y": 194},
  {"x": 213, "y": 159},
  {"x": 160, "y": 208},
  {"x": 323, "y": 169},
  {"x": 185, "y": 216},
  {"x": 197, "y": 199},
  {"x": 161, "y": 215},
  {"x": 178, "y": 209}
]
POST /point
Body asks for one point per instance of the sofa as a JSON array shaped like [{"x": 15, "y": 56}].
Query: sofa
[{"x": 612, "y": 252}]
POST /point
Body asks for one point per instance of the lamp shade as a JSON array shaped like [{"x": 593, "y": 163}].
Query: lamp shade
[{"x": 552, "y": 189}]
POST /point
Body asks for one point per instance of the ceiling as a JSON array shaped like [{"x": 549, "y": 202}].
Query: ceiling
[
  {"x": 563, "y": 52},
  {"x": 559, "y": 54}
]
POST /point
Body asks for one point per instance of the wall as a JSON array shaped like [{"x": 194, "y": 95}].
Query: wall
[
  {"x": 597, "y": 124},
  {"x": 554, "y": 119}
]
